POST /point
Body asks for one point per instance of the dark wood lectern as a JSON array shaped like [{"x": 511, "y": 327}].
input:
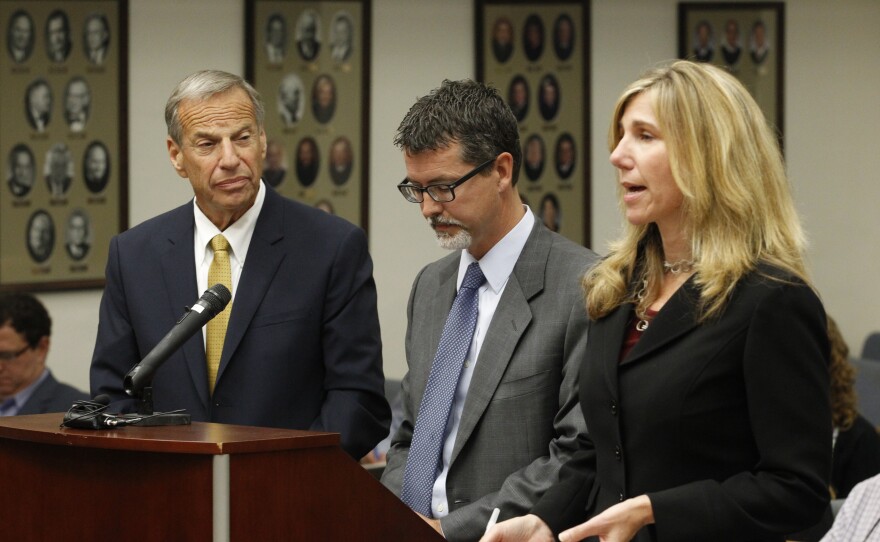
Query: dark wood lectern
[{"x": 200, "y": 482}]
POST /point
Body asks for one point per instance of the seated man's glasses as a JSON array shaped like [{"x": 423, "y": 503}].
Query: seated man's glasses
[
  {"x": 441, "y": 193},
  {"x": 9, "y": 356}
]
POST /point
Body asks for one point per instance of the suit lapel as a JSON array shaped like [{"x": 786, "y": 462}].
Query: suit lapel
[
  {"x": 179, "y": 276},
  {"x": 512, "y": 317},
  {"x": 263, "y": 259}
]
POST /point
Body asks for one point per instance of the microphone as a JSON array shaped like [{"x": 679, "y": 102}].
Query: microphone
[
  {"x": 212, "y": 302},
  {"x": 87, "y": 414}
]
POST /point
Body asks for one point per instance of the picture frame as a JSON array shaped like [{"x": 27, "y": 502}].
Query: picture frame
[
  {"x": 745, "y": 38},
  {"x": 64, "y": 143},
  {"x": 537, "y": 55},
  {"x": 310, "y": 60}
]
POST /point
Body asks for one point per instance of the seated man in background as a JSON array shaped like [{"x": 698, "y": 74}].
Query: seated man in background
[
  {"x": 26, "y": 385},
  {"x": 859, "y": 517}
]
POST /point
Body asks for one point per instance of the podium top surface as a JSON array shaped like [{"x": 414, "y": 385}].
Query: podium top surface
[{"x": 198, "y": 438}]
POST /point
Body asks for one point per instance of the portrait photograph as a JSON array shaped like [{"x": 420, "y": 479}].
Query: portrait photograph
[
  {"x": 96, "y": 167},
  {"x": 291, "y": 99},
  {"x": 58, "y": 42},
  {"x": 533, "y": 157},
  {"x": 308, "y": 161},
  {"x": 275, "y": 163},
  {"x": 341, "y": 37},
  {"x": 77, "y": 237},
  {"x": 319, "y": 83},
  {"x": 96, "y": 38},
  {"x": 324, "y": 98},
  {"x": 518, "y": 97},
  {"x": 20, "y": 36},
  {"x": 40, "y": 239},
  {"x": 308, "y": 34},
  {"x": 21, "y": 170},
  {"x": 64, "y": 143},
  {"x": 276, "y": 38},
  {"x": 566, "y": 156},
  {"x": 38, "y": 104},
  {"x": 537, "y": 55},
  {"x": 77, "y": 102},
  {"x": 341, "y": 160},
  {"x": 58, "y": 170},
  {"x": 533, "y": 37}
]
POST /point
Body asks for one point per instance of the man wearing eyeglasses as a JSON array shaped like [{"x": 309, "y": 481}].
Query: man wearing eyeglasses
[
  {"x": 509, "y": 418},
  {"x": 26, "y": 385}
]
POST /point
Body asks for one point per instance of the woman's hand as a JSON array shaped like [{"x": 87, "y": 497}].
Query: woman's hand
[
  {"x": 620, "y": 523},
  {"x": 528, "y": 528}
]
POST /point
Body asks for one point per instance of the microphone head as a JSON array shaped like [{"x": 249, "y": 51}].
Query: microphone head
[
  {"x": 217, "y": 297},
  {"x": 103, "y": 399}
]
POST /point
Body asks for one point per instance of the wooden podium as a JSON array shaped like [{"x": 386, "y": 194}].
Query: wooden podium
[{"x": 200, "y": 482}]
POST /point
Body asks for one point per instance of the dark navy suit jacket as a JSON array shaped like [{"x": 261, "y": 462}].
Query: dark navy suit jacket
[
  {"x": 302, "y": 348},
  {"x": 51, "y": 396}
]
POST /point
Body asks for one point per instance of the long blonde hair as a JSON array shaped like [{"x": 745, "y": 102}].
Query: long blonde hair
[{"x": 737, "y": 208}]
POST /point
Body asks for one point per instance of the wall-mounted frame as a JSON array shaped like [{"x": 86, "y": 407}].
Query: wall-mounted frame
[
  {"x": 310, "y": 60},
  {"x": 537, "y": 55},
  {"x": 747, "y": 39},
  {"x": 64, "y": 142}
]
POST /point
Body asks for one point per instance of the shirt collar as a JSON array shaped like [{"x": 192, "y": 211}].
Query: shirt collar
[
  {"x": 498, "y": 263},
  {"x": 238, "y": 234}
]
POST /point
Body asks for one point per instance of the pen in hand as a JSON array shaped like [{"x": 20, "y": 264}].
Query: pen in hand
[{"x": 492, "y": 519}]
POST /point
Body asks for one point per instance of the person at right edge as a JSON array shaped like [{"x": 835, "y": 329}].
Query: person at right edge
[{"x": 705, "y": 383}]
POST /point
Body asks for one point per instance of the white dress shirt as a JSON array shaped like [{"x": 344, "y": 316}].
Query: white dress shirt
[{"x": 497, "y": 265}]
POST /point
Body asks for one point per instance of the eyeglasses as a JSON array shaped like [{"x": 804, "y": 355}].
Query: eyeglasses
[
  {"x": 9, "y": 356},
  {"x": 441, "y": 193}
]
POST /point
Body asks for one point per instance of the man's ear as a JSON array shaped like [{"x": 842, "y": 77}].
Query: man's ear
[
  {"x": 504, "y": 166},
  {"x": 175, "y": 153}
]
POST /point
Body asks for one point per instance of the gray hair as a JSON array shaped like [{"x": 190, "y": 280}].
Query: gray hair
[
  {"x": 465, "y": 112},
  {"x": 203, "y": 85}
]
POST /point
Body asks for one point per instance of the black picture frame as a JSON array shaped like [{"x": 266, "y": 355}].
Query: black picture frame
[
  {"x": 747, "y": 39},
  {"x": 537, "y": 55},
  {"x": 310, "y": 60},
  {"x": 64, "y": 143}
]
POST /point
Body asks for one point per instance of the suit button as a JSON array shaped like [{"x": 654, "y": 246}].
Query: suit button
[
  {"x": 620, "y": 498},
  {"x": 613, "y": 408},
  {"x": 618, "y": 453}
]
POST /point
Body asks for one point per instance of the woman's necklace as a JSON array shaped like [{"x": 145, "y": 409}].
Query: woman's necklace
[
  {"x": 642, "y": 324},
  {"x": 679, "y": 267}
]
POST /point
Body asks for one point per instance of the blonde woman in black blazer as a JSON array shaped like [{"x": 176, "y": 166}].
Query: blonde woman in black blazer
[{"x": 705, "y": 382}]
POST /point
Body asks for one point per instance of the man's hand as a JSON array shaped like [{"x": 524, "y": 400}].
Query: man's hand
[{"x": 528, "y": 528}]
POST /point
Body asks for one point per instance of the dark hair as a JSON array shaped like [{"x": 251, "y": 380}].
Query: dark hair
[
  {"x": 26, "y": 315},
  {"x": 465, "y": 112}
]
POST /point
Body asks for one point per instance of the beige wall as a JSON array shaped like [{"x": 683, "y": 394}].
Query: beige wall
[{"x": 833, "y": 88}]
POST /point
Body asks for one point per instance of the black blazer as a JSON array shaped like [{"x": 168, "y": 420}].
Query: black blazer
[
  {"x": 724, "y": 425},
  {"x": 302, "y": 348}
]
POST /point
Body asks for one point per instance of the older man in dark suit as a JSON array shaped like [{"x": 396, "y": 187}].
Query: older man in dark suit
[
  {"x": 490, "y": 400},
  {"x": 299, "y": 345}
]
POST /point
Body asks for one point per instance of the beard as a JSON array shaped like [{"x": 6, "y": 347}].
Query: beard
[{"x": 459, "y": 241}]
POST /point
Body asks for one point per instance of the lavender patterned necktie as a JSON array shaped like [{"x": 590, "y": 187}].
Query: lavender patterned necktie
[{"x": 423, "y": 462}]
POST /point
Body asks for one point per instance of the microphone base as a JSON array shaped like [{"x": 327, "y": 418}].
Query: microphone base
[{"x": 154, "y": 420}]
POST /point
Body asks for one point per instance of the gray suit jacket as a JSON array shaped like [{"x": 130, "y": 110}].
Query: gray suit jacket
[{"x": 520, "y": 418}]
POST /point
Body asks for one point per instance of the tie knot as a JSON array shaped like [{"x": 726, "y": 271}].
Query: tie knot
[
  {"x": 218, "y": 242},
  {"x": 473, "y": 277}
]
